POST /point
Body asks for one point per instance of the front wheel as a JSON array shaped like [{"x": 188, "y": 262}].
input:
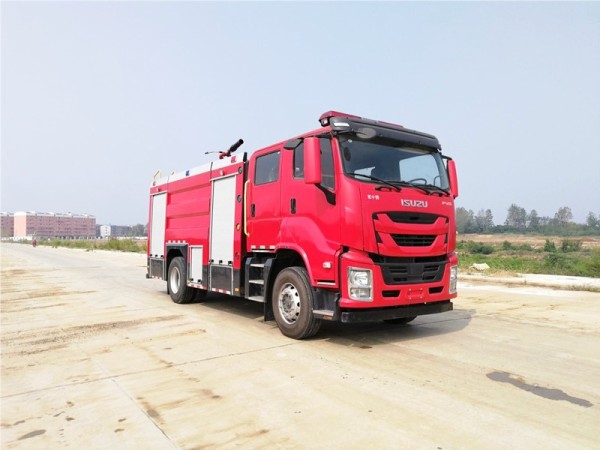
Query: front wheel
[
  {"x": 178, "y": 289},
  {"x": 293, "y": 302}
]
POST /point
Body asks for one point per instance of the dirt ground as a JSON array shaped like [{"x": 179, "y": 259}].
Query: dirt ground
[{"x": 94, "y": 355}]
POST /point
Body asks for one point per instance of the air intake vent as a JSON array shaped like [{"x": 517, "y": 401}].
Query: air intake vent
[
  {"x": 412, "y": 217},
  {"x": 413, "y": 240},
  {"x": 411, "y": 270}
]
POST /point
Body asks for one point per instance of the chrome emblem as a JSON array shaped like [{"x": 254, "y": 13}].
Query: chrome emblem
[{"x": 414, "y": 203}]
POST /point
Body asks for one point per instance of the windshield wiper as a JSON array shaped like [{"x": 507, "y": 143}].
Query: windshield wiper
[
  {"x": 427, "y": 188},
  {"x": 435, "y": 188},
  {"x": 397, "y": 185},
  {"x": 379, "y": 180},
  {"x": 412, "y": 185}
]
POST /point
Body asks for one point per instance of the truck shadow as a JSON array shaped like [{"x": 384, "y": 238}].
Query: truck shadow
[
  {"x": 231, "y": 305},
  {"x": 380, "y": 333},
  {"x": 361, "y": 335}
]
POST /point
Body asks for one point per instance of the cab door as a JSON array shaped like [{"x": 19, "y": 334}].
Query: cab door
[
  {"x": 310, "y": 213},
  {"x": 263, "y": 201}
]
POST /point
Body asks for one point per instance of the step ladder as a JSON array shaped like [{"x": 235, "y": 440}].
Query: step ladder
[{"x": 255, "y": 278}]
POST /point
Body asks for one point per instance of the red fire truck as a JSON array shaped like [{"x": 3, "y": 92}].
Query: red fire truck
[{"x": 351, "y": 222}]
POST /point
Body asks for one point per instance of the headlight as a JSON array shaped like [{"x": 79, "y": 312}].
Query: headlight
[
  {"x": 453, "y": 279},
  {"x": 360, "y": 284}
]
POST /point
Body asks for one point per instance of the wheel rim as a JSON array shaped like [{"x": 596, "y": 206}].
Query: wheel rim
[
  {"x": 289, "y": 303},
  {"x": 174, "y": 280}
]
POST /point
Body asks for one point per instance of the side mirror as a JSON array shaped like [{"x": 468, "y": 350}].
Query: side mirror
[
  {"x": 312, "y": 160},
  {"x": 452, "y": 178}
]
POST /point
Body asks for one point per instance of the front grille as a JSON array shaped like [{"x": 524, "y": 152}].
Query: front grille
[
  {"x": 411, "y": 270},
  {"x": 413, "y": 240}
]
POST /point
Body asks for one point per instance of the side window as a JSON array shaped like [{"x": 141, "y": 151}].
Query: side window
[
  {"x": 267, "y": 168},
  {"x": 299, "y": 161},
  {"x": 328, "y": 179}
]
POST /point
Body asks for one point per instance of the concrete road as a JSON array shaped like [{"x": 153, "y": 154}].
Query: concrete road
[{"x": 96, "y": 356}]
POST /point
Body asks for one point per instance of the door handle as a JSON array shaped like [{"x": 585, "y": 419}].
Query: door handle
[{"x": 293, "y": 206}]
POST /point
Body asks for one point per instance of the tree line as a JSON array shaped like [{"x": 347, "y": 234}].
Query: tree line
[
  {"x": 139, "y": 230},
  {"x": 518, "y": 220}
]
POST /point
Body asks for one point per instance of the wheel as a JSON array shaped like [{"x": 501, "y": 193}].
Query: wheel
[
  {"x": 401, "y": 320},
  {"x": 178, "y": 289},
  {"x": 292, "y": 304}
]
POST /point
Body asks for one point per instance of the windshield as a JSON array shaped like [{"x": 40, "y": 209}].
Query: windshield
[{"x": 393, "y": 162}]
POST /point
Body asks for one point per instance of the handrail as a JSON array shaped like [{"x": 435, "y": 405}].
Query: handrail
[{"x": 245, "y": 208}]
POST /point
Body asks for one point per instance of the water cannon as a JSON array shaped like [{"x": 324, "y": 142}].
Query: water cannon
[
  {"x": 228, "y": 153},
  {"x": 232, "y": 149}
]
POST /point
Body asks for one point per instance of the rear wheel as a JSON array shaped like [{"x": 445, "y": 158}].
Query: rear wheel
[
  {"x": 293, "y": 302},
  {"x": 178, "y": 289}
]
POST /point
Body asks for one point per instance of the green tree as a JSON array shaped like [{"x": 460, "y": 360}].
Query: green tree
[
  {"x": 593, "y": 221},
  {"x": 465, "y": 220},
  {"x": 138, "y": 230},
  {"x": 516, "y": 217},
  {"x": 484, "y": 220},
  {"x": 533, "y": 220},
  {"x": 563, "y": 216}
]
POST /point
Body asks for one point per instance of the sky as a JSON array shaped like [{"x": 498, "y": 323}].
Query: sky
[{"x": 97, "y": 96}]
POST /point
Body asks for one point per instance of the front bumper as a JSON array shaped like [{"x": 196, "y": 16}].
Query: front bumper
[
  {"x": 394, "y": 312},
  {"x": 389, "y": 292}
]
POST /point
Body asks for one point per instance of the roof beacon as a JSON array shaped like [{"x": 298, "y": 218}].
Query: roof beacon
[{"x": 324, "y": 119}]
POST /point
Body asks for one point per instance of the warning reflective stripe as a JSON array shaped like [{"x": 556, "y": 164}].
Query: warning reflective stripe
[
  {"x": 262, "y": 247},
  {"x": 221, "y": 291}
]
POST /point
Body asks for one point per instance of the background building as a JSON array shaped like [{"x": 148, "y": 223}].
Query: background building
[
  {"x": 108, "y": 231},
  {"x": 32, "y": 224},
  {"x": 7, "y": 225}
]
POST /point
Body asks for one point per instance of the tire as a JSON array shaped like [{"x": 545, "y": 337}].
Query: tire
[
  {"x": 176, "y": 280},
  {"x": 401, "y": 320},
  {"x": 293, "y": 302}
]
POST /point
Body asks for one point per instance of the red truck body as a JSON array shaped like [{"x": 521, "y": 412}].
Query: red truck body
[{"x": 351, "y": 222}]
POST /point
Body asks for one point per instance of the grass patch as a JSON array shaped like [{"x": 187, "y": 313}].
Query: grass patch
[
  {"x": 568, "y": 258},
  {"x": 120, "y": 245}
]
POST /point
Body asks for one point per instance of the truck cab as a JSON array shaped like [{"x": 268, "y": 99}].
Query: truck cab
[{"x": 366, "y": 210}]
